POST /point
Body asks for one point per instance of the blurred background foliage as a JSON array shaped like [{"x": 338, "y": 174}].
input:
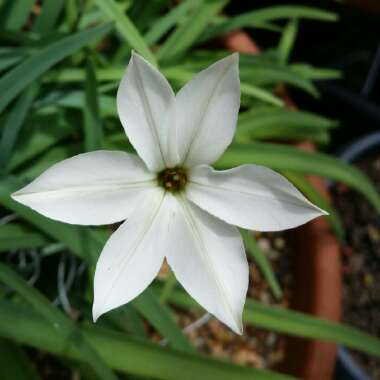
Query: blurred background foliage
[{"x": 60, "y": 64}]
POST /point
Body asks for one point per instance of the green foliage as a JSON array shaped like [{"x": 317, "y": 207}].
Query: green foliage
[{"x": 60, "y": 64}]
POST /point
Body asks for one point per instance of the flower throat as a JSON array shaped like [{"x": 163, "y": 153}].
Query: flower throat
[{"x": 172, "y": 179}]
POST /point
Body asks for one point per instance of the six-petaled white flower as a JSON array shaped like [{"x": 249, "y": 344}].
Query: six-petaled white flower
[{"x": 175, "y": 206}]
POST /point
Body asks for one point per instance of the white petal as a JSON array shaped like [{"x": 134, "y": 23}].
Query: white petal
[
  {"x": 208, "y": 259},
  {"x": 250, "y": 196},
  {"x": 132, "y": 256},
  {"x": 207, "y": 110},
  {"x": 100, "y": 187},
  {"x": 143, "y": 99}
]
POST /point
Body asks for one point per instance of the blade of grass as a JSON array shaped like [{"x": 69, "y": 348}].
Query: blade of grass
[
  {"x": 272, "y": 74},
  {"x": 38, "y": 140},
  {"x": 316, "y": 197},
  {"x": 126, "y": 28},
  {"x": 186, "y": 34},
  {"x": 280, "y": 157},
  {"x": 17, "y": 236},
  {"x": 170, "y": 19},
  {"x": 93, "y": 131},
  {"x": 14, "y": 123},
  {"x": 269, "y": 14},
  {"x": 63, "y": 326},
  {"x": 170, "y": 283},
  {"x": 287, "y": 40},
  {"x": 260, "y": 94},
  {"x": 14, "y": 14},
  {"x": 124, "y": 353},
  {"x": 268, "y": 117},
  {"x": 14, "y": 363},
  {"x": 262, "y": 262},
  {"x": 269, "y": 123},
  {"x": 48, "y": 16},
  {"x": 12, "y": 83},
  {"x": 291, "y": 322},
  {"x": 162, "y": 319},
  {"x": 314, "y": 73}
]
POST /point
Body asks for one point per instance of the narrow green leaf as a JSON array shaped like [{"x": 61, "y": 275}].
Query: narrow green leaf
[
  {"x": 262, "y": 262},
  {"x": 62, "y": 325},
  {"x": 170, "y": 284},
  {"x": 314, "y": 73},
  {"x": 12, "y": 83},
  {"x": 268, "y": 123},
  {"x": 287, "y": 40},
  {"x": 127, "y": 319},
  {"x": 123, "y": 353},
  {"x": 269, "y": 74},
  {"x": 10, "y": 56},
  {"x": 170, "y": 19},
  {"x": 260, "y": 94},
  {"x": 189, "y": 31},
  {"x": 14, "y": 14},
  {"x": 291, "y": 322},
  {"x": 161, "y": 318},
  {"x": 17, "y": 236},
  {"x": 14, "y": 364},
  {"x": 249, "y": 19},
  {"x": 316, "y": 197},
  {"x": 93, "y": 130},
  {"x": 280, "y": 157},
  {"x": 126, "y": 28},
  {"x": 13, "y": 124},
  {"x": 47, "y": 19}
]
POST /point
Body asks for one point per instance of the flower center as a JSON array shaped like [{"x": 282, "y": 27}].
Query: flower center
[{"x": 172, "y": 179}]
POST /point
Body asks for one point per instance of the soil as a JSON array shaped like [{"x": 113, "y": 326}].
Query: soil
[
  {"x": 361, "y": 255},
  {"x": 256, "y": 347}
]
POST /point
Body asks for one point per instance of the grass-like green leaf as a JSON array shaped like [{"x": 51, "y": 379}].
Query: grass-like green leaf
[
  {"x": 260, "y": 94},
  {"x": 16, "y": 80},
  {"x": 13, "y": 14},
  {"x": 187, "y": 33},
  {"x": 270, "y": 123},
  {"x": 162, "y": 319},
  {"x": 314, "y": 73},
  {"x": 262, "y": 262},
  {"x": 14, "y": 123},
  {"x": 170, "y": 19},
  {"x": 317, "y": 198},
  {"x": 126, "y": 28},
  {"x": 123, "y": 353},
  {"x": 17, "y": 236},
  {"x": 47, "y": 19},
  {"x": 279, "y": 157},
  {"x": 62, "y": 325},
  {"x": 93, "y": 130},
  {"x": 14, "y": 363},
  {"x": 295, "y": 323},
  {"x": 277, "y": 12},
  {"x": 287, "y": 40}
]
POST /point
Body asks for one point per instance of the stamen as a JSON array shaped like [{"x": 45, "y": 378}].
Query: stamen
[{"x": 172, "y": 179}]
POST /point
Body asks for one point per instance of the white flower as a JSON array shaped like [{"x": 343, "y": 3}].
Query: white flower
[{"x": 174, "y": 205}]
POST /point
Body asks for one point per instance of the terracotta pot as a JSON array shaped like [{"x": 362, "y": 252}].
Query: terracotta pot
[{"x": 316, "y": 267}]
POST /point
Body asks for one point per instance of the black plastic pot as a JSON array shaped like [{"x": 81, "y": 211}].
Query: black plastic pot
[{"x": 346, "y": 367}]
